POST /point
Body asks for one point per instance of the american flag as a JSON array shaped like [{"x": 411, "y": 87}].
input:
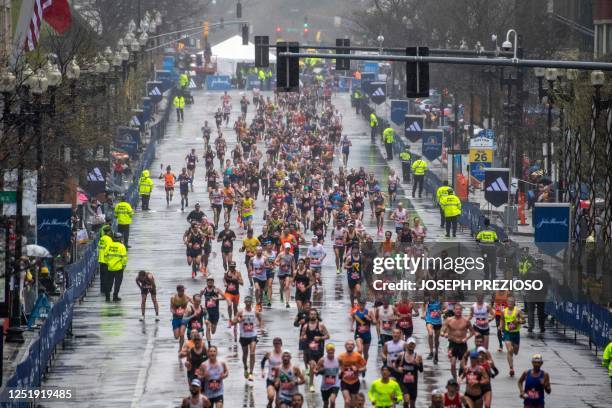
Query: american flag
[{"x": 34, "y": 31}]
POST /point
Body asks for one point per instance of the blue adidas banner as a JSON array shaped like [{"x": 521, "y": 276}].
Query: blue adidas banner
[
  {"x": 413, "y": 127},
  {"x": 496, "y": 185},
  {"x": 154, "y": 91}
]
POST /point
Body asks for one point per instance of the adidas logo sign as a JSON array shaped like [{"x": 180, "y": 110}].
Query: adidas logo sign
[
  {"x": 378, "y": 92},
  {"x": 415, "y": 127},
  {"x": 498, "y": 185},
  {"x": 135, "y": 121},
  {"x": 192, "y": 84},
  {"x": 155, "y": 92},
  {"x": 95, "y": 175}
]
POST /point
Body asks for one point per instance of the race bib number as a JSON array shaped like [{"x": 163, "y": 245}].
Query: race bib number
[
  {"x": 301, "y": 287},
  {"x": 386, "y": 325},
  {"x": 287, "y": 385},
  {"x": 214, "y": 385},
  {"x": 180, "y": 311},
  {"x": 313, "y": 345},
  {"x": 533, "y": 394},
  {"x": 355, "y": 276},
  {"x": 329, "y": 380},
  {"x": 249, "y": 327},
  {"x": 349, "y": 374},
  {"x": 511, "y": 326},
  {"x": 196, "y": 325},
  {"x": 472, "y": 379},
  {"x": 227, "y": 244},
  {"x": 211, "y": 303},
  {"x": 404, "y": 324},
  {"x": 231, "y": 286},
  {"x": 482, "y": 322},
  {"x": 362, "y": 328},
  {"x": 434, "y": 314},
  {"x": 408, "y": 378}
]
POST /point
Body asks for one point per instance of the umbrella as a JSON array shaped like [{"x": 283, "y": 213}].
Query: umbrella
[
  {"x": 82, "y": 197},
  {"x": 38, "y": 251}
]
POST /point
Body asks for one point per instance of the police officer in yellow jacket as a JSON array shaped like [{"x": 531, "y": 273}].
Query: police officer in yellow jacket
[
  {"x": 105, "y": 241},
  {"x": 451, "y": 204},
  {"x": 145, "y": 187},
  {"x": 179, "y": 105},
  {"x": 488, "y": 240},
  {"x": 116, "y": 258},
  {"x": 389, "y": 139},
  {"x": 357, "y": 100},
  {"x": 442, "y": 191},
  {"x": 373, "y": 126},
  {"x": 124, "y": 214},
  {"x": 405, "y": 158},
  {"x": 419, "y": 167}
]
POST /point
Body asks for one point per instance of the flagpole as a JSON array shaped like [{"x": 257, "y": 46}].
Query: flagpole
[{"x": 21, "y": 31}]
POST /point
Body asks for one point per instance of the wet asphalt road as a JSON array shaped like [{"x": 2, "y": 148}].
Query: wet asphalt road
[{"x": 117, "y": 361}]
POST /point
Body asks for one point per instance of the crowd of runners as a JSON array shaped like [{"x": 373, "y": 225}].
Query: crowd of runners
[{"x": 283, "y": 161}]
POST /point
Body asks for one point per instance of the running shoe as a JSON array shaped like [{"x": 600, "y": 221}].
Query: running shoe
[
  {"x": 250, "y": 377},
  {"x": 142, "y": 318},
  {"x": 512, "y": 372},
  {"x": 287, "y": 305},
  {"x": 312, "y": 388},
  {"x": 435, "y": 360},
  {"x": 193, "y": 274},
  {"x": 246, "y": 374},
  {"x": 429, "y": 356},
  {"x": 157, "y": 318},
  {"x": 269, "y": 304}
]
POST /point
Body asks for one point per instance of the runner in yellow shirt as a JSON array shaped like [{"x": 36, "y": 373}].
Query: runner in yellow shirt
[
  {"x": 249, "y": 246},
  {"x": 247, "y": 205}
]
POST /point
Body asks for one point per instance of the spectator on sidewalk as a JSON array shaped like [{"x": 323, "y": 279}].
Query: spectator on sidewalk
[{"x": 536, "y": 299}]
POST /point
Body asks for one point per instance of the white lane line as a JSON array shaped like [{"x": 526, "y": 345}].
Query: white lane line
[{"x": 141, "y": 382}]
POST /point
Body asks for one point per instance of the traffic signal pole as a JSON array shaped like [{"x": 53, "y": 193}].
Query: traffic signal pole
[{"x": 503, "y": 62}]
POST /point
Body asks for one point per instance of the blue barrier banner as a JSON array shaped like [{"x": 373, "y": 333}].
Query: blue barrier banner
[
  {"x": 253, "y": 82},
  {"x": 128, "y": 139},
  {"x": 399, "y": 109},
  {"x": 344, "y": 84},
  {"x": 366, "y": 78},
  {"x": 432, "y": 144},
  {"x": 218, "y": 83},
  {"x": 370, "y": 67},
  {"x": 54, "y": 227},
  {"x": 551, "y": 222}
]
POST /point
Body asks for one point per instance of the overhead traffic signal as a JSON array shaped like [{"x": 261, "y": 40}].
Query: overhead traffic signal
[
  {"x": 343, "y": 64},
  {"x": 278, "y": 30},
  {"x": 245, "y": 35},
  {"x": 417, "y": 74},
  {"x": 238, "y": 10},
  {"x": 261, "y": 51},
  {"x": 205, "y": 28},
  {"x": 287, "y": 69}
]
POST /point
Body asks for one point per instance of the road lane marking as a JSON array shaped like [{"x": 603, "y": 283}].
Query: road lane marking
[{"x": 143, "y": 372}]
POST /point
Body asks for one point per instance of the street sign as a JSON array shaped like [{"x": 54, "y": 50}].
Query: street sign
[
  {"x": 432, "y": 143},
  {"x": 8, "y": 197},
  {"x": 378, "y": 92},
  {"x": 496, "y": 186},
  {"x": 481, "y": 155},
  {"x": 413, "y": 127},
  {"x": 417, "y": 74},
  {"x": 482, "y": 142}
]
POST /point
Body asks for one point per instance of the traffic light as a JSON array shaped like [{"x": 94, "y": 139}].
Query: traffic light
[
  {"x": 417, "y": 74},
  {"x": 343, "y": 64},
  {"x": 261, "y": 51},
  {"x": 278, "y": 30},
  {"x": 205, "y": 28},
  {"x": 245, "y": 35},
  {"x": 238, "y": 10},
  {"x": 287, "y": 69},
  {"x": 306, "y": 27}
]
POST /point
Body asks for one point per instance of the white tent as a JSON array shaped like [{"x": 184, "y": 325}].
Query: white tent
[{"x": 231, "y": 51}]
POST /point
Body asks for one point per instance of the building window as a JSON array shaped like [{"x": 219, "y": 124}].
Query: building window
[
  {"x": 599, "y": 37},
  {"x": 608, "y": 30}
]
